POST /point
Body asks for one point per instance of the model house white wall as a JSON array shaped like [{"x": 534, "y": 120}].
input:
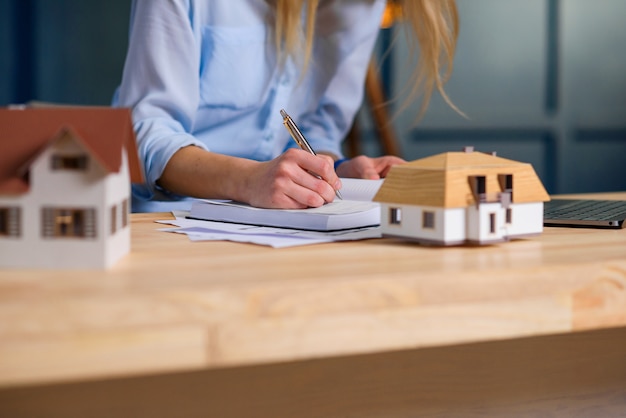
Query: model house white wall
[{"x": 449, "y": 225}]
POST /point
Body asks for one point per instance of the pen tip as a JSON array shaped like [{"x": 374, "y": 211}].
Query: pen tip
[{"x": 283, "y": 113}]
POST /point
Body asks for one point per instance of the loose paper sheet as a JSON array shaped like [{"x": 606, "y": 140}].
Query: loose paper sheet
[{"x": 198, "y": 230}]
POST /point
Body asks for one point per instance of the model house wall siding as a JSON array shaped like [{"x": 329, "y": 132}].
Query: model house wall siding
[
  {"x": 117, "y": 189},
  {"x": 449, "y": 224},
  {"x": 67, "y": 187},
  {"x": 455, "y": 225},
  {"x": 485, "y": 223},
  {"x": 527, "y": 219}
]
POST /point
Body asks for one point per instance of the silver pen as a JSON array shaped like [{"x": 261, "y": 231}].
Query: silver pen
[{"x": 300, "y": 139}]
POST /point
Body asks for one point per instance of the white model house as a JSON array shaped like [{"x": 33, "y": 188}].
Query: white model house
[
  {"x": 65, "y": 175},
  {"x": 462, "y": 197}
]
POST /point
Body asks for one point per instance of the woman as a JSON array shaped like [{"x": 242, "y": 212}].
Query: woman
[{"x": 206, "y": 80}]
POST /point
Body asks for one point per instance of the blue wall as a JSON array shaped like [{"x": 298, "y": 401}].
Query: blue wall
[{"x": 65, "y": 51}]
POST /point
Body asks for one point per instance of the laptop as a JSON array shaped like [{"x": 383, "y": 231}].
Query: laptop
[{"x": 585, "y": 213}]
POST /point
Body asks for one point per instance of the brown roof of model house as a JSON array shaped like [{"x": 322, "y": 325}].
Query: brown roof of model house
[
  {"x": 442, "y": 180},
  {"x": 25, "y": 132}
]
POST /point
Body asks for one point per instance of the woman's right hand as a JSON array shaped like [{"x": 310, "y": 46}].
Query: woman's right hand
[{"x": 285, "y": 182}]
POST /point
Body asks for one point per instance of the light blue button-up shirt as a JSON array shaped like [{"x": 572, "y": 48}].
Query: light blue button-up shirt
[{"x": 206, "y": 73}]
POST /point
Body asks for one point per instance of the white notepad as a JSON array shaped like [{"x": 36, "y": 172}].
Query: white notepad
[{"x": 355, "y": 211}]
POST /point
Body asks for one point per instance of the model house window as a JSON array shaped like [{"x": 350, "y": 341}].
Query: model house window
[
  {"x": 119, "y": 211},
  {"x": 506, "y": 183},
  {"x": 125, "y": 213},
  {"x": 113, "y": 219},
  {"x": 509, "y": 216},
  {"x": 478, "y": 185},
  {"x": 395, "y": 216},
  {"x": 4, "y": 221},
  {"x": 492, "y": 223},
  {"x": 68, "y": 223},
  {"x": 10, "y": 222},
  {"x": 428, "y": 220},
  {"x": 69, "y": 162}
]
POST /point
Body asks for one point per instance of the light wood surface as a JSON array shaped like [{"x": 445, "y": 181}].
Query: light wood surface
[{"x": 205, "y": 313}]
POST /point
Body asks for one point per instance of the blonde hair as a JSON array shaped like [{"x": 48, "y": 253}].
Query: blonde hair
[
  {"x": 289, "y": 29},
  {"x": 433, "y": 24}
]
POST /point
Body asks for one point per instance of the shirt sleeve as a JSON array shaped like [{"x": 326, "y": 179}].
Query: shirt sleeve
[
  {"x": 160, "y": 84},
  {"x": 346, "y": 35}
]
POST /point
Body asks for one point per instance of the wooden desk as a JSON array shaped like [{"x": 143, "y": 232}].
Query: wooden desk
[{"x": 378, "y": 328}]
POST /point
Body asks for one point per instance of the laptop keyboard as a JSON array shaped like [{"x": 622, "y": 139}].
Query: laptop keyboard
[{"x": 600, "y": 210}]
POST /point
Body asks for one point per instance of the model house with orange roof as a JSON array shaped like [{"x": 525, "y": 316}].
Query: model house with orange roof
[
  {"x": 462, "y": 197},
  {"x": 65, "y": 176}
]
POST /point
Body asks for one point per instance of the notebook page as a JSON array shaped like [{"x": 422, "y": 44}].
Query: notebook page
[{"x": 359, "y": 189}]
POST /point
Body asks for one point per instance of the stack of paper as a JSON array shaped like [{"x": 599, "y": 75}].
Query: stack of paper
[
  {"x": 355, "y": 217},
  {"x": 335, "y": 216}
]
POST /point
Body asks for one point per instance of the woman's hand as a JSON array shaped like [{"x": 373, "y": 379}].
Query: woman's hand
[
  {"x": 285, "y": 182},
  {"x": 288, "y": 181},
  {"x": 368, "y": 168}
]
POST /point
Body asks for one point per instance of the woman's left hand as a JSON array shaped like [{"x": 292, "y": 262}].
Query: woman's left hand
[{"x": 364, "y": 167}]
